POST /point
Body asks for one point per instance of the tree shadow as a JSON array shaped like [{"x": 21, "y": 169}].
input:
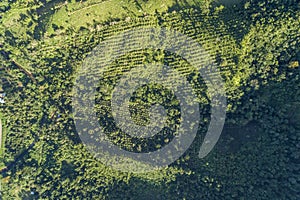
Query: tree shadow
[{"x": 137, "y": 189}]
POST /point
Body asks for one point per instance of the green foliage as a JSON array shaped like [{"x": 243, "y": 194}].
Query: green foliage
[{"x": 257, "y": 50}]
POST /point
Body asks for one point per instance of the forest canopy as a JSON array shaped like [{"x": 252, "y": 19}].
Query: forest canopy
[{"x": 256, "y": 46}]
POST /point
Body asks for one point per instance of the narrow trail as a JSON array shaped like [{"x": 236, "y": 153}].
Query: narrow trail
[{"x": 87, "y": 7}]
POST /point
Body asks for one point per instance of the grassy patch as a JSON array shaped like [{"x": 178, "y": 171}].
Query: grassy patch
[{"x": 76, "y": 14}]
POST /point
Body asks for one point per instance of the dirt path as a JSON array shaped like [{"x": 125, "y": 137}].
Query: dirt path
[{"x": 87, "y": 7}]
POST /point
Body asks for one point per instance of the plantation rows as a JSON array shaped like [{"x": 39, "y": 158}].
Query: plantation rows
[{"x": 44, "y": 154}]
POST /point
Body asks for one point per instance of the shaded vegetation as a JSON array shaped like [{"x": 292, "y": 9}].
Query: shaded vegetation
[{"x": 256, "y": 45}]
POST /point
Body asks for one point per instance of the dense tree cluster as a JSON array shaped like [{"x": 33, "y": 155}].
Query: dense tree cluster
[{"x": 257, "y": 51}]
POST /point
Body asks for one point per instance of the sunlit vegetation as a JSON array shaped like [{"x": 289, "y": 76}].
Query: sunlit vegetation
[{"x": 256, "y": 45}]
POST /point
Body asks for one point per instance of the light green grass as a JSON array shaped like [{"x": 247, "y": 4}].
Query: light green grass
[{"x": 76, "y": 14}]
